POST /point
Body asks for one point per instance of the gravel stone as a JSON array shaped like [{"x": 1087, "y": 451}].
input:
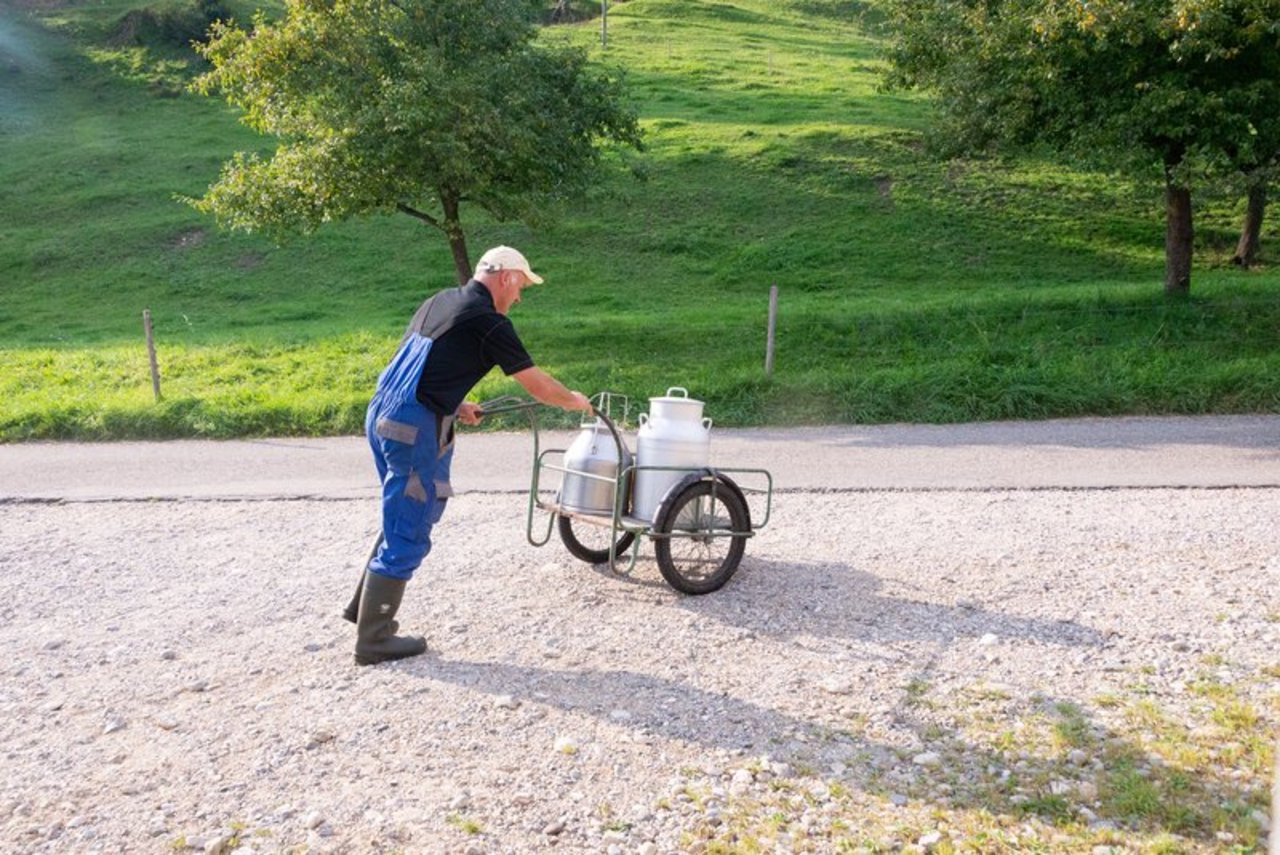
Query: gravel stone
[{"x": 679, "y": 711}]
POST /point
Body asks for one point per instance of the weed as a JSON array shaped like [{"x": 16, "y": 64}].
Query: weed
[
  {"x": 1072, "y": 729},
  {"x": 915, "y": 691},
  {"x": 1049, "y": 806},
  {"x": 1146, "y": 713},
  {"x": 1130, "y": 794},
  {"x": 465, "y": 824}
]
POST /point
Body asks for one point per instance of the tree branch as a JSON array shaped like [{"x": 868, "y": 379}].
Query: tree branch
[{"x": 426, "y": 218}]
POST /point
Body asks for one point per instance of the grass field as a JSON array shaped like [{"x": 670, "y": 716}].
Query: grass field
[{"x": 912, "y": 288}]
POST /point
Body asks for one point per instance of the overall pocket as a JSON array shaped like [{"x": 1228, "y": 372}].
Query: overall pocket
[{"x": 412, "y": 520}]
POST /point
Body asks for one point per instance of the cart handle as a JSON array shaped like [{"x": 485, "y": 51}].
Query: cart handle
[
  {"x": 613, "y": 429},
  {"x": 506, "y": 404}
]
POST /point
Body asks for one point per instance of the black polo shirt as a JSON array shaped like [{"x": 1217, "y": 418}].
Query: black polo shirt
[{"x": 469, "y": 337}]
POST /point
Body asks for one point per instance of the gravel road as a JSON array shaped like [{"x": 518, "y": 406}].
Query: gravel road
[{"x": 176, "y": 675}]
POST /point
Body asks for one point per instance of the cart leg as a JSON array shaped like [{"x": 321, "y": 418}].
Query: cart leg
[{"x": 634, "y": 549}]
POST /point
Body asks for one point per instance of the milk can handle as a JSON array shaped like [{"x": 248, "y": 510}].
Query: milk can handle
[
  {"x": 706, "y": 424},
  {"x": 678, "y": 389},
  {"x": 644, "y": 419}
]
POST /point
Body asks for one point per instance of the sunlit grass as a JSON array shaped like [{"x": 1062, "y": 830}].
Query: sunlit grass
[
  {"x": 912, "y": 289},
  {"x": 1021, "y": 774}
]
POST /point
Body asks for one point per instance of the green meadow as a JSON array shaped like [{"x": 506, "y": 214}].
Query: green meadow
[{"x": 911, "y": 287}]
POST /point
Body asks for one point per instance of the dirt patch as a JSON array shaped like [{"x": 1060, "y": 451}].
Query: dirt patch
[
  {"x": 249, "y": 260},
  {"x": 188, "y": 238}
]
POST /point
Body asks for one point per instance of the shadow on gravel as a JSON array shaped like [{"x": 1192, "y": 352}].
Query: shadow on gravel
[
  {"x": 1002, "y": 759},
  {"x": 838, "y": 601},
  {"x": 1140, "y": 780},
  {"x": 666, "y": 708}
]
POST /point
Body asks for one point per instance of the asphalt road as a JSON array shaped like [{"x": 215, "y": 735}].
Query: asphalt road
[{"x": 1216, "y": 451}]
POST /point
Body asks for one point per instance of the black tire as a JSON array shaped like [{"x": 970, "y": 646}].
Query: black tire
[
  {"x": 700, "y": 565},
  {"x": 596, "y": 550}
]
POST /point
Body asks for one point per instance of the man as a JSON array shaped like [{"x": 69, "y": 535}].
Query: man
[{"x": 453, "y": 341}]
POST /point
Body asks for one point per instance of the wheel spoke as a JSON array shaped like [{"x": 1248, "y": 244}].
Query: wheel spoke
[{"x": 696, "y": 552}]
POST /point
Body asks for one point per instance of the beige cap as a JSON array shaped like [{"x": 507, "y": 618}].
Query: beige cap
[{"x": 506, "y": 258}]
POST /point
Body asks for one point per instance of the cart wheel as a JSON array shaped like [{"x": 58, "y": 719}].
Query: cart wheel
[
  {"x": 593, "y": 547},
  {"x": 700, "y": 555}
]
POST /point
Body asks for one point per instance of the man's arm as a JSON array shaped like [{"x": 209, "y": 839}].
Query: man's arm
[{"x": 549, "y": 390}]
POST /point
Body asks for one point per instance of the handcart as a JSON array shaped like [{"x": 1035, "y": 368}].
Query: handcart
[{"x": 699, "y": 530}]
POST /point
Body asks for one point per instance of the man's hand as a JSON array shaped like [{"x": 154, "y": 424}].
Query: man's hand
[
  {"x": 469, "y": 413},
  {"x": 580, "y": 402}
]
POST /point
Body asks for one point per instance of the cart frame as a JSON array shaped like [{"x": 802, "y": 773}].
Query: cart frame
[{"x": 723, "y": 489}]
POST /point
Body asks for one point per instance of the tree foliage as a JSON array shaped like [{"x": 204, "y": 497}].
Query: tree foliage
[
  {"x": 415, "y": 106},
  {"x": 1190, "y": 85}
]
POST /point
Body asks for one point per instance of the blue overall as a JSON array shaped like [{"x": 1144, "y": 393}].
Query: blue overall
[{"x": 413, "y": 449}]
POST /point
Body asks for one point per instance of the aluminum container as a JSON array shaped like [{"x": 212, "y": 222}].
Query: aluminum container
[
  {"x": 593, "y": 452},
  {"x": 672, "y": 434}
]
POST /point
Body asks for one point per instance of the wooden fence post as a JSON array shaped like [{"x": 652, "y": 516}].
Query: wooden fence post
[
  {"x": 151, "y": 353},
  {"x": 773, "y": 328}
]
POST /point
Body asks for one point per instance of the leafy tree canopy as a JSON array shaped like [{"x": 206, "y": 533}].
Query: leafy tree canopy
[
  {"x": 409, "y": 105},
  {"x": 1104, "y": 77},
  {"x": 1182, "y": 83}
]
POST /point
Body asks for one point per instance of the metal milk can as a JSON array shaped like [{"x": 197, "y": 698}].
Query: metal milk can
[
  {"x": 672, "y": 434},
  {"x": 595, "y": 452}
]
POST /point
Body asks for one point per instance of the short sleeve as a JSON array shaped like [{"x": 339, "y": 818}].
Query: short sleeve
[{"x": 503, "y": 346}]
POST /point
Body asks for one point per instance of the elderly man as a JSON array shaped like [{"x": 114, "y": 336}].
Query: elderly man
[{"x": 453, "y": 341}]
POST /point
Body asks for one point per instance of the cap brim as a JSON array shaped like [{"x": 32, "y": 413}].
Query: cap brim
[{"x": 533, "y": 277}]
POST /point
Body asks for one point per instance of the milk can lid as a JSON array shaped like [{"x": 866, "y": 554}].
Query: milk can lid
[{"x": 673, "y": 398}]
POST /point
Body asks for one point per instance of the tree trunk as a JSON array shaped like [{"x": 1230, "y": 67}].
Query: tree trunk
[
  {"x": 1251, "y": 231},
  {"x": 1177, "y": 238},
  {"x": 457, "y": 240}
]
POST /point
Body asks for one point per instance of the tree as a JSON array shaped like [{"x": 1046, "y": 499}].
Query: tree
[
  {"x": 416, "y": 106},
  {"x": 1192, "y": 86},
  {"x": 1251, "y": 230}
]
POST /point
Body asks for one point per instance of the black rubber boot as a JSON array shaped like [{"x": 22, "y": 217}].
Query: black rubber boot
[
  {"x": 376, "y": 640},
  {"x": 352, "y": 612}
]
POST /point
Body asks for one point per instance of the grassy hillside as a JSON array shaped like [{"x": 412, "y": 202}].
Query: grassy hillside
[{"x": 911, "y": 288}]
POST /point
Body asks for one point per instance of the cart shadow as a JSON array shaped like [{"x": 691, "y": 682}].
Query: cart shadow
[
  {"x": 645, "y": 576},
  {"x": 839, "y": 601}
]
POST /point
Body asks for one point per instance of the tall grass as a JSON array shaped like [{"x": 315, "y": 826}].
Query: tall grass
[{"x": 912, "y": 289}]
